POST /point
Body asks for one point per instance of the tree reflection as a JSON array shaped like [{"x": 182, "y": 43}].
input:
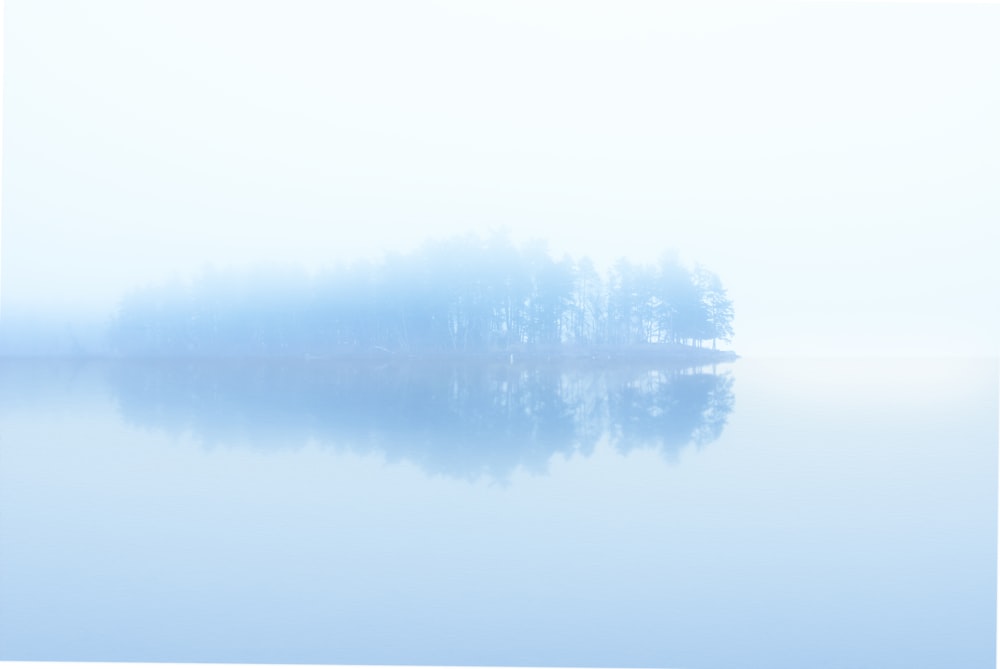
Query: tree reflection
[{"x": 463, "y": 420}]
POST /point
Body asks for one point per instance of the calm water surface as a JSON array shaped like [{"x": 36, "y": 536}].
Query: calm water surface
[{"x": 768, "y": 513}]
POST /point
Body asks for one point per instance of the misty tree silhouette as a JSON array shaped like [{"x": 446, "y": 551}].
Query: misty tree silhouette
[{"x": 459, "y": 296}]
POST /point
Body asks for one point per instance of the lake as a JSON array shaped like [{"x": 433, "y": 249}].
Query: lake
[{"x": 763, "y": 513}]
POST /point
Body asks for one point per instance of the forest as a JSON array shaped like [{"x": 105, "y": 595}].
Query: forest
[{"x": 460, "y": 296}]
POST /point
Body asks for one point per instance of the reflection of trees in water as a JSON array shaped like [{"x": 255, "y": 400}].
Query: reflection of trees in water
[
  {"x": 669, "y": 411},
  {"x": 460, "y": 420}
]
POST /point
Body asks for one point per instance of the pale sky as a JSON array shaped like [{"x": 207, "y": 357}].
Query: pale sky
[{"x": 837, "y": 164}]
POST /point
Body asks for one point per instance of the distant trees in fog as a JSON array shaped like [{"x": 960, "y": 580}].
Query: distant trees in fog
[{"x": 464, "y": 295}]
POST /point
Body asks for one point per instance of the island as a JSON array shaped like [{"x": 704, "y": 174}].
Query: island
[{"x": 462, "y": 298}]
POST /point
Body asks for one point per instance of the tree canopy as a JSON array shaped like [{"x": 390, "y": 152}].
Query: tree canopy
[{"x": 463, "y": 295}]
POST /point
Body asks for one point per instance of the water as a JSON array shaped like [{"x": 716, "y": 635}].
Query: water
[{"x": 768, "y": 513}]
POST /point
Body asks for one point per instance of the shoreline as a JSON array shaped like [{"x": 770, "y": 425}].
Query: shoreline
[{"x": 680, "y": 355}]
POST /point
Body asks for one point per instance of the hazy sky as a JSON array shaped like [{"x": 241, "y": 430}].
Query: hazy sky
[{"x": 837, "y": 164}]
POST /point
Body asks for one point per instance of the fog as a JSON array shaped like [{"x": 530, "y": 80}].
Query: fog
[{"x": 835, "y": 164}]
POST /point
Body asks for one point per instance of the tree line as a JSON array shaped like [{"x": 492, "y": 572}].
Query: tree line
[{"x": 463, "y": 295}]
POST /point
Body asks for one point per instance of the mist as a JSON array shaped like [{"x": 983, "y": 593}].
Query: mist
[
  {"x": 833, "y": 163},
  {"x": 549, "y": 333}
]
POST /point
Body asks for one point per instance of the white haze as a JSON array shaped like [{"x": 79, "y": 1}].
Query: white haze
[{"x": 836, "y": 164}]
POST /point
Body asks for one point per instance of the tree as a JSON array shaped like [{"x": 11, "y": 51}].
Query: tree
[
  {"x": 718, "y": 307},
  {"x": 681, "y": 315}
]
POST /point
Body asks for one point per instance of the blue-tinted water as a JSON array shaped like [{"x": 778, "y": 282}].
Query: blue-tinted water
[{"x": 774, "y": 513}]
